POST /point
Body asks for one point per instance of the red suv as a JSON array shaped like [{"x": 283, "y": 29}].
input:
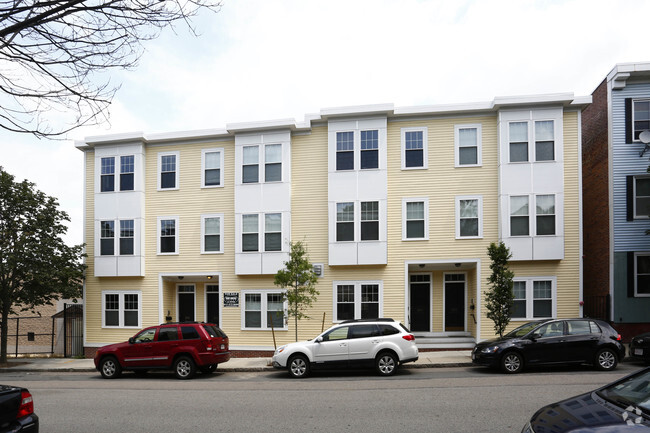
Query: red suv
[{"x": 183, "y": 347}]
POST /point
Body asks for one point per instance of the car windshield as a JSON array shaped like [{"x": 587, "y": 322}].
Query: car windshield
[
  {"x": 633, "y": 391},
  {"x": 522, "y": 330}
]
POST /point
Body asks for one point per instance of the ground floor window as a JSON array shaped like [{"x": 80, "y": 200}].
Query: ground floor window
[
  {"x": 534, "y": 298},
  {"x": 263, "y": 309},
  {"x": 642, "y": 274},
  {"x": 121, "y": 309},
  {"x": 357, "y": 300}
]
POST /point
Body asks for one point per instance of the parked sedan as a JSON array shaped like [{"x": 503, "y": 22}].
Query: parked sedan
[
  {"x": 553, "y": 341},
  {"x": 621, "y": 406},
  {"x": 17, "y": 410},
  {"x": 640, "y": 347}
]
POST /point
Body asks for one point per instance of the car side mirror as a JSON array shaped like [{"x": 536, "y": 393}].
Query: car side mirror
[
  {"x": 319, "y": 339},
  {"x": 131, "y": 340},
  {"x": 535, "y": 336}
]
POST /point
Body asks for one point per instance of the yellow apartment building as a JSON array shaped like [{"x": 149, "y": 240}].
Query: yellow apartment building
[{"x": 396, "y": 206}]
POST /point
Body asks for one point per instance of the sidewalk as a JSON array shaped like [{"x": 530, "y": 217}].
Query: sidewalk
[{"x": 449, "y": 358}]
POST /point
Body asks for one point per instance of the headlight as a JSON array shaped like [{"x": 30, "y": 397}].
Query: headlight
[
  {"x": 280, "y": 349},
  {"x": 527, "y": 428},
  {"x": 490, "y": 349}
]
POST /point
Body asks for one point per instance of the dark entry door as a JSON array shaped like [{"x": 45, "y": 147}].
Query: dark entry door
[
  {"x": 212, "y": 301},
  {"x": 186, "y": 303},
  {"x": 420, "y": 307},
  {"x": 454, "y": 306}
]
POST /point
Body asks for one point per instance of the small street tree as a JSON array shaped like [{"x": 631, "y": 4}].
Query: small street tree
[
  {"x": 299, "y": 279},
  {"x": 36, "y": 266},
  {"x": 499, "y": 297}
]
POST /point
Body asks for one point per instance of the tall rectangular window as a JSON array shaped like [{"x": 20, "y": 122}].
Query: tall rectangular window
[
  {"x": 273, "y": 232},
  {"x": 415, "y": 220},
  {"x": 107, "y": 238},
  {"x": 121, "y": 309},
  {"x": 642, "y": 274},
  {"x": 127, "y": 170},
  {"x": 640, "y": 117},
  {"x": 126, "y": 237},
  {"x": 107, "y": 178},
  {"x": 414, "y": 149},
  {"x": 369, "y": 301},
  {"x": 468, "y": 145},
  {"x": 111, "y": 309},
  {"x": 345, "y": 150},
  {"x": 168, "y": 171},
  {"x": 369, "y": 149},
  {"x": 518, "y": 140},
  {"x": 641, "y": 197},
  {"x": 544, "y": 140},
  {"x": 275, "y": 309},
  {"x": 250, "y": 167},
  {"x": 345, "y": 302},
  {"x": 253, "y": 310},
  {"x": 212, "y": 168},
  {"x": 273, "y": 163},
  {"x": 542, "y": 299},
  {"x": 212, "y": 234},
  {"x": 519, "y": 216},
  {"x": 250, "y": 232},
  {"x": 167, "y": 236},
  {"x": 545, "y": 214},
  {"x": 519, "y": 304},
  {"x": 131, "y": 309},
  {"x": 369, "y": 220},
  {"x": 468, "y": 215},
  {"x": 344, "y": 222}
]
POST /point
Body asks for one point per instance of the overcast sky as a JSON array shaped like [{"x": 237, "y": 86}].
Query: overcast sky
[{"x": 262, "y": 60}]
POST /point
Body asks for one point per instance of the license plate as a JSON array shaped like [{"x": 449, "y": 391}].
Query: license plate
[{"x": 638, "y": 352}]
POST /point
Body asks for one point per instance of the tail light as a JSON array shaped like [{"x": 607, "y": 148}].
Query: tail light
[
  {"x": 26, "y": 405},
  {"x": 618, "y": 337},
  {"x": 408, "y": 337}
]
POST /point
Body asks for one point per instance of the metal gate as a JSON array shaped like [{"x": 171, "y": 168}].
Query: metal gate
[{"x": 72, "y": 332}]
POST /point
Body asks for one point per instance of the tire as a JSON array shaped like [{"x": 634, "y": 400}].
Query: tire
[
  {"x": 110, "y": 368},
  {"x": 207, "y": 369},
  {"x": 512, "y": 363},
  {"x": 606, "y": 360},
  {"x": 184, "y": 368},
  {"x": 298, "y": 367},
  {"x": 386, "y": 363}
]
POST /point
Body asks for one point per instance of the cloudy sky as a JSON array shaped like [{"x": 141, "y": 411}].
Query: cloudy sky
[{"x": 263, "y": 60}]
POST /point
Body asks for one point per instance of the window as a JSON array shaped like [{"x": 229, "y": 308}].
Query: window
[
  {"x": 212, "y": 233},
  {"x": 127, "y": 164},
  {"x": 263, "y": 310},
  {"x": 468, "y": 145},
  {"x": 518, "y": 133},
  {"x": 469, "y": 212},
  {"x": 534, "y": 298},
  {"x": 250, "y": 232},
  {"x": 642, "y": 274},
  {"x": 168, "y": 238},
  {"x": 273, "y": 163},
  {"x": 544, "y": 144},
  {"x": 273, "y": 232},
  {"x": 414, "y": 216},
  {"x": 168, "y": 169},
  {"x": 370, "y": 221},
  {"x": 545, "y": 214},
  {"x": 345, "y": 150},
  {"x": 519, "y": 222},
  {"x": 121, "y": 309},
  {"x": 414, "y": 148},
  {"x": 107, "y": 238},
  {"x": 126, "y": 237},
  {"x": 107, "y": 178},
  {"x": 344, "y": 222},
  {"x": 357, "y": 300},
  {"x": 544, "y": 141},
  {"x": 250, "y": 168},
  {"x": 212, "y": 167},
  {"x": 641, "y": 197},
  {"x": 369, "y": 149},
  {"x": 640, "y": 117}
]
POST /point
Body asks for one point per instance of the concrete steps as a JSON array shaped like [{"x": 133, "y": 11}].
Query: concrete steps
[{"x": 438, "y": 340}]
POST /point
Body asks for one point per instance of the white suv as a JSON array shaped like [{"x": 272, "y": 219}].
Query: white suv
[{"x": 379, "y": 343}]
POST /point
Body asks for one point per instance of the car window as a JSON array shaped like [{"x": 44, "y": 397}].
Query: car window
[
  {"x": 595, "y": 329},
  {"x": 553, "y": 329},
  {"x": 189, "y": 333},
  {"x": 145, "y": 336},
  {"x": 631, "y": 391},
  {"x": 363, "y": 331},
  {"x": 577, "y": 327},
  {"x": 388, "y": 330},
  {"x": 168, "y": 333},
  {"x": 214, "y": 332},
  {"x": 337, "y": 334}
]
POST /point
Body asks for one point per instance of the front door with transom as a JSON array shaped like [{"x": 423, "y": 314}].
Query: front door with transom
[
  {"x": 420, "y": 302},
  {"x": 455, "y": 288},
  {"x": 186, "y": 303}
]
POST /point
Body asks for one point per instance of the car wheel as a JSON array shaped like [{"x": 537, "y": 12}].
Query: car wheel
[
  {"x": 184, "y": 368},
  {"x": 512, "y": 362},
  {"x": 606, "y": 360},
  {"x": 386, "y": 363},
  {"x": 207, "y": 369},
  {"x": 110, "y": 368},
  {"x": 298, "y": 367}
]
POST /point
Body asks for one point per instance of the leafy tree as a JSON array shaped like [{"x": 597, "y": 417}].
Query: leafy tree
[
  {"x": 36, "y": 266},
  {"x": 499, "y": 297},
  {"x": 299, "y": 278},
  {"x": 55, "y": 55}
]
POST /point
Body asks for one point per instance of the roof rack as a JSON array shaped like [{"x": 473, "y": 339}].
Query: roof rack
[{"x": 383, "y": 319}]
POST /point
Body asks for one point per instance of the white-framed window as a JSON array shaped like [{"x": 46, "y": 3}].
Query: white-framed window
[
  {"x": 107, "y": 174},
  {"x": 263, "y": 309},
  {"x": 534, "y": 298},
  {"x": 641, "y": 194},
  {"x": 127, "y": 237},
  {"x": 168, "y": 170},
  {"x": 414, "y": 148},
  {"x": 168, "y": 235},
  {"x": 121, "y": 309},
  {"x": 127, "y": 173},
  {"x": 415, "y": 219},
  {"x": 212, "y": 168},
  {"x": 519, "y": 216},
  {"x": 369, "y": 221},
  {"x": 544, "y": 140},
  {"x": 357, "y": 300},
  {"x": 273, "y": 163},
  {"x": 107, "y": 238},
  {"x": 543, "y": 221},
  {"x": 345, "y": 150},
  {"x": 250, "y": 233},
  {"x": 542, "y": 146},
  {"x": 640, "y": 117},
  {"x": 468, "y": 142},
  {"x": 345, "y": 222},
  {"x": 642, "y": 274},
  {"x": 545, "y": 215},
  {"x": 369, "y": 149},
  {"x": 250, "y": 164},
  {"x": 469, "y": 217},
  {"x": 273, "y": 232},
  {"x": 212, "y": 234},
  {"x": 261, "y": 232},
  {"x": 518, "y": 141}
]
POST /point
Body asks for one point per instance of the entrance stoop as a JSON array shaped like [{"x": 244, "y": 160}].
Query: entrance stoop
[{"x": 444, "y": 341}]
